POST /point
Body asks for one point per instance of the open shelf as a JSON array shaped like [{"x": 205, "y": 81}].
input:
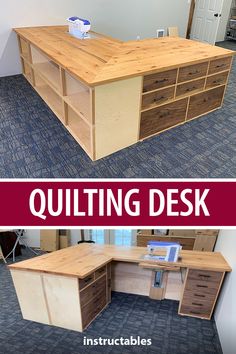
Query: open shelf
[
  {"x": 53, "y": 100},
  {"x": 48, "y": 69},
  {"x": 27, "y": 71},
  {"x": 80, "y": 130},
  {"x": 24, "y": 49},
  {"x": 78, "y": 96}
]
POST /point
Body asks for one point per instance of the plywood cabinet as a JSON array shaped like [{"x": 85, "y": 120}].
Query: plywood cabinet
[
  {"x": 197, "y": 240},
  {"x": 111, "y": 94},
  {"x": 61, "y": 300}
]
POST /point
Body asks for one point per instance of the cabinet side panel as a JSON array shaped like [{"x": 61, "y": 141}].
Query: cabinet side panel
[
  {"x": 63, "y": 301},
  {"x": 130, "y": 278},
  {"x": 117, "y": 115},
  {"x": 30, "y": 294}
]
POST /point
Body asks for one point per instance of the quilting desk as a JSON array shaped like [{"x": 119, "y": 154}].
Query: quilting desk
[
  {"x": 70, "y": 287},
  {"x": 111, "y": 94}
]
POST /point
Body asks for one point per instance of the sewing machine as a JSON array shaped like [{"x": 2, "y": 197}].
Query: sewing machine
[
  {"x": 171, "y": 250},
  {"x": 78, "y": 27}
]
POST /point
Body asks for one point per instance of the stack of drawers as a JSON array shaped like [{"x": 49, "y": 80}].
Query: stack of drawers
[
  {"x": 200, "y": 293},
  {"x": 94, "y": 294},
  {"x": 172, "y": 97}
]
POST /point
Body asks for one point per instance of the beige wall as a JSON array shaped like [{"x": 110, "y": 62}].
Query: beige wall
[{"x": 225, "y": 314}]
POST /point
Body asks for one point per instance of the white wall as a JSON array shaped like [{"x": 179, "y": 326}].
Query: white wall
[
  {"x": 124, "y": 19},
  {"x": 225, "y": 314},
  {"x": 223, "y": 20}
]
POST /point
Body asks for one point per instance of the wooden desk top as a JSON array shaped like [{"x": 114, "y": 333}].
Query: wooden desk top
[
  {"x": 81, "y": 260},
  {"x": 103, "y": 59}
]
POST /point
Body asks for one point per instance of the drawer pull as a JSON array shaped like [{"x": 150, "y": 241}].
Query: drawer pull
[
  {"x": 195, "y": 312},
  {"x": 158, "y": 99},
  {"x": 161, "y": 81},
  {"x": 202, "y": 286},
  {"x": 199, "y": 295},
  {"x": 196, "y": 304},
  {"x": 220, "y": 66},
  {"x": 88, "y": 279},
  {"x": 194, "y": 72},
  {"x": 190, "y": 89},
  {"x": 165, "y": 114},
  {"x": 204, "y": 276}
]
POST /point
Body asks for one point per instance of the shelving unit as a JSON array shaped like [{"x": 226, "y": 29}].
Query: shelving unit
[
  {"x": 69, "y": 99},
  {"x": 231, "y": 25}
]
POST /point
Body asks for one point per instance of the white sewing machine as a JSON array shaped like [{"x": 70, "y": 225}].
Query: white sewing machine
[
  {"x": 78, "y": 27},
  {"x": 155, "y": 251}
]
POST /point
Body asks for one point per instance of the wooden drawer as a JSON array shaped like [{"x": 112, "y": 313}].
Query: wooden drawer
[
  {"x": 196, "y": 311},
  {"x": 190, "y": 87},
  {"x": 203, "y": 279},
  {"x": 100, "y": 272},
  {"x": 153, "y": 99},
  {"x": 86, "y": 281},
  {"x": 185, "y": 242},
  {"x": 192, "y": 72},
  {"x": 216, "y": 80},
  {"x": 92, "y": 309},
  {"x": 207, "y": 232},
  {"x": 205, "y": 102},
  {"x": 93, "y": 290},
  {"x": 159, "y": 80},
  {"x": 197, "y": 295},
  {"x": 163, "y": 117},
  {"x": 219, "y": 65}
]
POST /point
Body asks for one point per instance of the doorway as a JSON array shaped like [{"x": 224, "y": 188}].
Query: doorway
[{"x": 206, "y": 20}]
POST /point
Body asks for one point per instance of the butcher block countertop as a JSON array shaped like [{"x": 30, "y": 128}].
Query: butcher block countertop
[
  {"x": 81, "y": 260},
  {"x": 103, "y": 59}
]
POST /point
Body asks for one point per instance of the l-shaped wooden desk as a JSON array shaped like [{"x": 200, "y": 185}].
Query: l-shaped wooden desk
[
  {"x": 111, "y": 94},
  {"x": 70, "y": 287}
]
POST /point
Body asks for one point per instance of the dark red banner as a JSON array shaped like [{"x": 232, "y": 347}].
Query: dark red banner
[{"x": 117, "y": 203}]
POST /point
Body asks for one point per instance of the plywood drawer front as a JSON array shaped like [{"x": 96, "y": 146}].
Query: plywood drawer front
[
  {"x": 161, "y": 118},
  {"x": 205, "y": 102},
  {"x": 196, "y": 311},
  {"x": 153, "y": 99},
  {"x": 185, "y": 242},
  {"x": 93, "y": 308},
  {"x": 93, "y": 290},
  {"x": 192, "y": 72},
  {"x": 207, "y": 232},
  {"x": 219, "y": 65},
  {"x": 159, "y": 80},
  {"x": 86, "y": 281},
  {"x": 190, "y": 87},
  {"x": 205, "y": 275},
  {"x": 216, "y": 80},
  {"x": 100, "y": 272}
]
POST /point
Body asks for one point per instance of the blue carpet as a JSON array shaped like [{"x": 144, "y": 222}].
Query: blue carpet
[
  {"x": 127, "y": 315},
  {"x": 33, "y": 143}
]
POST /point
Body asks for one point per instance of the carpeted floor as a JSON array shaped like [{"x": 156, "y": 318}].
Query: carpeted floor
[
  {"x": 127, "y": 315},
  {"x": 33, "y": 143}
]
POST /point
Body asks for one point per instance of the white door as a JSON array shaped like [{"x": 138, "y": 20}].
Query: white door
[{"x": 206, "y": 20}]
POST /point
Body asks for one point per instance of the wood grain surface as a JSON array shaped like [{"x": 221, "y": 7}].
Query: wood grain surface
[{"x": 81, "y": 260}]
